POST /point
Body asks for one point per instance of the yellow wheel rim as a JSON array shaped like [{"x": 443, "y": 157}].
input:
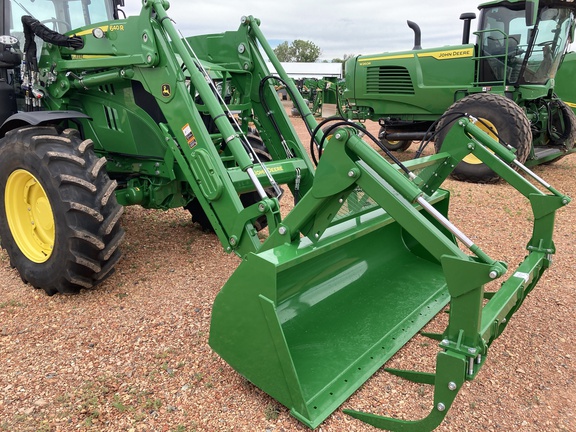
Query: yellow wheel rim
[
  {"x": 491, "y": 130},
  {"x": 29, "y": 216}
]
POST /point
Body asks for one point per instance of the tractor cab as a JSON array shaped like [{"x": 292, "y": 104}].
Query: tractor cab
[
  {"x": 519, "y": 44},
  {"x": 58, "y": 15}
]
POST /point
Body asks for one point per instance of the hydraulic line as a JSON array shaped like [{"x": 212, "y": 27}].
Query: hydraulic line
[
  {"x": 271, "y": 117},
  {"x": 344, "y": 122}
]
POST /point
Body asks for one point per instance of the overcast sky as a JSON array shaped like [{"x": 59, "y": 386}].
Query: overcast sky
[{"x": 337, "y": 27}]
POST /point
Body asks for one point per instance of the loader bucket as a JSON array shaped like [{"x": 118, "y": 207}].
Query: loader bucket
[
  {"x": 309, "y": 323},
  {"x": 364, "y": 260}
]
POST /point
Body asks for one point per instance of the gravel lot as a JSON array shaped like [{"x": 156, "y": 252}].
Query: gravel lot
[{"x": 133, "y": 354}]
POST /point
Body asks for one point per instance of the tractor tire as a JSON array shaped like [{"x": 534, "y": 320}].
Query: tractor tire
[
  {"x": 59, "y": 218},
  {"x": 199, "y": 215},
  {"x": 504, "y": 120},
  {"x": 568, "y": 125},
  {"x": 569, "y": 113},
  {"x": 399, "y": 146},
  {"x": 568, "y": 138}
]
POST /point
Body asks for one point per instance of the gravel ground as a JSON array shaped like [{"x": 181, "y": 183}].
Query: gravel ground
[{"x": 133, "y": 354}]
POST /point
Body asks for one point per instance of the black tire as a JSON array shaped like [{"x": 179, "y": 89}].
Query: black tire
[
  {"x": 199, "y": 215},
  {"x": 564, "y": 125},
  {"x": 398, "y": 146},
  {"x": 508, "y": 122},
  {"x": 64, "y": 235}
]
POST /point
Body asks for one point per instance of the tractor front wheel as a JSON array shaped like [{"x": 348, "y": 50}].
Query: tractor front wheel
[
  {"x": 498, "y": 116},
  {"x": 200, "y": 217},
  {"x": 59, "y": 218}
]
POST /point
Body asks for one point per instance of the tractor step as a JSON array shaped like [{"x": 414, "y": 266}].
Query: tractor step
[{"x": 545, "y": 154}]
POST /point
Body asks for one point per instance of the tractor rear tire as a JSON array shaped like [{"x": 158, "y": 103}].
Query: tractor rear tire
[
  {"x": 199, "y": 215},
  {"x": 59, "y": 218},
  {"x": 569, "y": 139},
  {"x": 399, "y": 146},
  {"x": 501, "y": 118}
]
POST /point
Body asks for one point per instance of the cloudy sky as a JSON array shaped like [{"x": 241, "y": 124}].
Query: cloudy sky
[{"x": 337, "y": 27}]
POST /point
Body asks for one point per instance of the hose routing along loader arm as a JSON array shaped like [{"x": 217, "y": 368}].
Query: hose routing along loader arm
[{"x": 364, "y": 260}]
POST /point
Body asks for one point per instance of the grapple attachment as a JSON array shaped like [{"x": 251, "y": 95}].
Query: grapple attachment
[{"x": 360, "y": 265}]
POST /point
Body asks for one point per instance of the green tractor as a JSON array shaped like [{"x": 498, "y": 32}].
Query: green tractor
[
  {"x": 505, "y": 80},
  {"x": 112, "y": 111},
  {"x": 565, "y": 81}
]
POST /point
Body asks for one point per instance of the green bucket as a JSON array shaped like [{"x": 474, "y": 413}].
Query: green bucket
[{"x": 310, "y": 322}]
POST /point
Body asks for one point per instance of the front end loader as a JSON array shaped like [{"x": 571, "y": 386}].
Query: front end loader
[
  {"x": 127, "y": 111},
  {"x": 505, "y": 78}
]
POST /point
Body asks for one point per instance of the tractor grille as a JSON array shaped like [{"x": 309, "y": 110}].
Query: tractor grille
[{"x": 388, "y": 79}]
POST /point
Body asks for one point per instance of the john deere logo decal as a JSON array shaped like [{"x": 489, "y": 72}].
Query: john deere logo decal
[{"x": 166, "y": 90}]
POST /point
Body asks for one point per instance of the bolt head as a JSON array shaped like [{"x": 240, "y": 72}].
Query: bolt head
[
  {"x": 452, "y": 386},
  {"x": 282, "y": 230},
  {"x": 441, "y": 407}
]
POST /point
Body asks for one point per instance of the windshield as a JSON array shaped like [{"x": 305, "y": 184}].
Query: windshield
[
  {"x": 59, "y": 15},
  {"x": 513, "y": 53}
]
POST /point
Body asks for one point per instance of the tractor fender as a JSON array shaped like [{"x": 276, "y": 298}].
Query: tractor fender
[{"x": 36, "y": 118}]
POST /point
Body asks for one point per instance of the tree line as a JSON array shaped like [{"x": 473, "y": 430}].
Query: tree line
[{"x": 303, "y": 51}]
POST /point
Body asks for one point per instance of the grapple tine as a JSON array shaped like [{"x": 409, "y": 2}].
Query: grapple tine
[
  {"x": 413, "y": 376},
  {"x": 448, "y": 379},
  {"x": 433, "y": 336},
  {"x": 388, "y": 423}
]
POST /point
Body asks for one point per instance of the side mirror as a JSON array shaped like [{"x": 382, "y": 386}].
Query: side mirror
[{"x": 531, "y": 12}]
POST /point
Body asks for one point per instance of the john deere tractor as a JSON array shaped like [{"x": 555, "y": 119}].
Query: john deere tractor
[
  {"x": 505, "y": 80},
  {"x": 566, "y": 81},
  {"x": 101, "y": 111}
]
